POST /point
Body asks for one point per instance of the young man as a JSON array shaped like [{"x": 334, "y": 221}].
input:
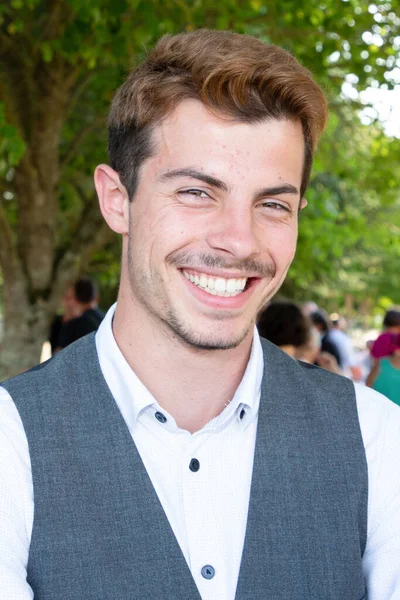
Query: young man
[{"x": 175, "y": 456}]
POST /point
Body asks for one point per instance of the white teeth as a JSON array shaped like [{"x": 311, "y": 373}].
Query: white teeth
[
  {"x": 217, "y": 286},
  {"x": 220, "y": 285},
  {"x": 231, "y": 285}
]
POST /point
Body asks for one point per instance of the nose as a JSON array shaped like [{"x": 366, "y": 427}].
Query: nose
[{"x": 234, "y": 231}]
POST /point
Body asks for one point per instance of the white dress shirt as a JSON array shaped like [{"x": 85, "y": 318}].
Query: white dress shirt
[{"x": 207, "y": 508}]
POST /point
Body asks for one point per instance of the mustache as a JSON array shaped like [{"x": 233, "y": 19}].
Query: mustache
[{"x": 188, "y": 259}]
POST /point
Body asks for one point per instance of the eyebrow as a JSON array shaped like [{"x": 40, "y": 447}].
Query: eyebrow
[
  {"x": 278, "y": 190},
  {"x": 217, "y": 183}
]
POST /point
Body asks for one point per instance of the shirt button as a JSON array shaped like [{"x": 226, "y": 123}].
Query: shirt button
[
  {"x": 194, "y": 465},
  {"x": 242, "y": 413},
  {"x": 160, "y": 417},
  {"x": 208, "y": 572}
]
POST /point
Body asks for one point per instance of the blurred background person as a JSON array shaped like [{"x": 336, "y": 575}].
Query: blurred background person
[
  {"x": 349, "y": 361},
  {"x": 309, "y": 307},
  {"x": 82, "y": 300},
  {"x": 72, "y": 309},
  {"x": 386, "y": 343},
  {"x": 384, "y": 376},
  {"x": 323, "y": 325},
  {"x": 285, "y": 325}
]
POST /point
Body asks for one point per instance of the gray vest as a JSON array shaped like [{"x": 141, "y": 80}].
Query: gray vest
[{"x": 100, "y": 531}]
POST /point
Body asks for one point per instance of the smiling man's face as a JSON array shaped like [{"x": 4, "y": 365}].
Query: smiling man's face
[{"x": 213, "y": 224}]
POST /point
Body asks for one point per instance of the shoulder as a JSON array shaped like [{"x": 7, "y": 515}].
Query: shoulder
[
  {"x": 378, "y": 415},
  {"x": 90, "y": 320},
  {"x": 380, "y": 429},
  {"x": 56, "y": 371},
  {"x": 310, "y": 375},
  {"x": 98, "y": 313},
  {"x": 70, "y": 331}
]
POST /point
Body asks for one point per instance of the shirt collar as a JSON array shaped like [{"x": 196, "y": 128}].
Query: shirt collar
[{"x": 132, "y": 396}]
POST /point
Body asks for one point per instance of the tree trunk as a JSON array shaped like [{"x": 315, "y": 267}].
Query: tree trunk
[
  {"x": 25, "y": 328},
  {"x": 36, "y": 266}
]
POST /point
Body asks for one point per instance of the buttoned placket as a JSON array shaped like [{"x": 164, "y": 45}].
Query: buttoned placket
[
  {"x": 195, "y": 472},
  {"x": 188, "y": 464}
]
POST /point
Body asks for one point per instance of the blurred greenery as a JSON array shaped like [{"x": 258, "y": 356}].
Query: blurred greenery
[{"x": 61, "y": 61}]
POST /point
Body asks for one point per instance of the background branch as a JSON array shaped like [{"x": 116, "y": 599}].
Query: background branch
[{"x": 77, "y": 140}]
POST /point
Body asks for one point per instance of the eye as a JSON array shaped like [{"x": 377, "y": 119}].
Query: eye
[
  {"x": 276, "y": 206},
  {"x": 194, "y": 192},
  {"x": 194, "y": 197}
]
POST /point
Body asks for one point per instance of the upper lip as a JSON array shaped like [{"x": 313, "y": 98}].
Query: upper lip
[{"x": 225, "y": 274}]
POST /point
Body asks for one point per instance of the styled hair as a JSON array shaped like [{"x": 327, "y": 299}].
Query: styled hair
[
  {"x": 233, "y": 75},
  {"x": 284, "y": 324},
  {"x": 85, "y": 290}
]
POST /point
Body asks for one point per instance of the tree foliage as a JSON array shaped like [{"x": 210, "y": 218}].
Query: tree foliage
[
  {"x": 349, "y": 241},
  {"x": 60, "y": 62}
]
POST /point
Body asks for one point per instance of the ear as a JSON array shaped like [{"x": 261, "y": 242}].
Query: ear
[
  {"x": 113, "y": 198},
  {"x": 303, "y": 203}
]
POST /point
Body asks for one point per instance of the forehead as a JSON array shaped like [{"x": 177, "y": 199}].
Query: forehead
[{"x": 193, "y": 136}]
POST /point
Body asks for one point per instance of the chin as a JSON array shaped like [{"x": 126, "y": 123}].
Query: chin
[
  {"x": 208, "y": 340},
  {"x": 212, "y": 344}
]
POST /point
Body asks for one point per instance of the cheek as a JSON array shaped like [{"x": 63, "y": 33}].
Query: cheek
[
  {"x": 281, "y": 243},
  {"x": 156, "y": 238}
]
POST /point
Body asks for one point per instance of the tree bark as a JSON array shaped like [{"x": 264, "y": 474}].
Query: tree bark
[
  {"x": 35, "y": 269},
  {"x": 28, "y": 310},
  {"x": 26, "y": 327}
]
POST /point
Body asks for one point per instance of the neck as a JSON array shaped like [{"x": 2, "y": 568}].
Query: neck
[
  {"x": 87, "y": 306},
  {"x": 290, "y": 350},
  {"x": 193, "y": 385}
]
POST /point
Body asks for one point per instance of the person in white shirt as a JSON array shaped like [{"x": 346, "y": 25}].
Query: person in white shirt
[
  {"x": 348, "y": 358},
  {"x": 176, "y": 455}
]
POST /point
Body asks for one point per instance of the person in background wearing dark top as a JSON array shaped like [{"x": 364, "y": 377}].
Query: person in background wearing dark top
[
  {"x": 285, "y": 325},
  {"x": 86, "y": 296},
  {"x": 322, "y": 324},
  {"x": 72, "y": 309}
]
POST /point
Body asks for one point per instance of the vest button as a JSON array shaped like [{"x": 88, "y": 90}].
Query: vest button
[
  {"x": 208, "y": 572},
  {"x": 160, "y": 417},
  {"x": 194, "y": 465}
]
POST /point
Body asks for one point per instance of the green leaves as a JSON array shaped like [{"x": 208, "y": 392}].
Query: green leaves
[
  {"x": 349, "y": 234},
  {"x": 12, "y": 147}
]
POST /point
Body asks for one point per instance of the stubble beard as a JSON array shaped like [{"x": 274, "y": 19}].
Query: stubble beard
[
  {"x": 200, "y": 341},
  {"x": 168, "y": 318}
]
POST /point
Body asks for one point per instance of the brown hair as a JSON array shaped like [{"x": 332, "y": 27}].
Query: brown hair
[{"x": 235, "y": 75}]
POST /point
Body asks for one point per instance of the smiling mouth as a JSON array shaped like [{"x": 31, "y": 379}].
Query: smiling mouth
[{"x": 217, "y": 286}]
